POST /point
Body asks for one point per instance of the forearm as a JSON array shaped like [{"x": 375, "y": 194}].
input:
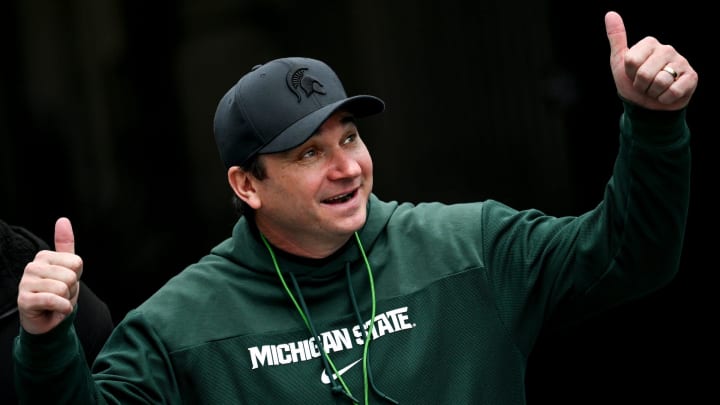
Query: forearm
[
  {"x": 653, "y": 176},
  {"x": 631, "y": 243}
]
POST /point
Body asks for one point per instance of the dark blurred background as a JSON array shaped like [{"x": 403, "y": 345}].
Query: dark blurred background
[{"x": 106, "y": 112}]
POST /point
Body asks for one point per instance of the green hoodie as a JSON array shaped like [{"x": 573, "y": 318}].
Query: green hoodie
[{"x": 460, "y": 294}]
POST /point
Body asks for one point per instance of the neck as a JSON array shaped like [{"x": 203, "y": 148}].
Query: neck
[{"x": 303, "y": 246}]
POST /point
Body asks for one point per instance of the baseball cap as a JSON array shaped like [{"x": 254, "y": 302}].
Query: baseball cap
[{"x": 279, "y": 105}]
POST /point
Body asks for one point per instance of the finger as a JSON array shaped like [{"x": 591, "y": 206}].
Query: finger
[
  {"x": 662, "y": 81},
  {"x": 42, "y": 304},
  {"x": 681, "y": 89},
  {"x": 645, "y": 62},
  {"x": 617, "y": 37},
  {"x": 64, "y": 237},
  {"x": 57, "y": 279},
  {"x": 47, "y": 285},
  {"x": 48, "y": 263}
]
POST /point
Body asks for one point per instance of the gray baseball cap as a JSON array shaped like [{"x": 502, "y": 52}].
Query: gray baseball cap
[{"x": 279, "y": 105}]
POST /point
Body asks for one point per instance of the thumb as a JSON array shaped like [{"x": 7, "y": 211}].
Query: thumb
[
  {"x": 64, "y": 237},
  {"x": 616, "y": 34}
]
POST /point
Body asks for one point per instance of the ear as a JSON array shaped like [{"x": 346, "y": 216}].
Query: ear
[{"x": 243, "y": 184}]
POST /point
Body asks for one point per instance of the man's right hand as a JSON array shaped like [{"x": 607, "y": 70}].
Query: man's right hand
[{"x": 49, "y": 288}]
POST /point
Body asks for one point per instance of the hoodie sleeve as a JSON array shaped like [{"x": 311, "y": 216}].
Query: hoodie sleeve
[
  {"x": 133, "y": 367},
  {"x": 563, "y": 270},
  {"x": 51, "y": 368}
]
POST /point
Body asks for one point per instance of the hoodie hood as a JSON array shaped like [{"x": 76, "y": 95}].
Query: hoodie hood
[
  {"x": 246, "y": 249},
  {"x": 18, "y": 247}
]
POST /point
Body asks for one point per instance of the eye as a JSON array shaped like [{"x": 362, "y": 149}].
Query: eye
[
  {"x": 309, "y": 153},
  {"x": 350, "y": 138}
]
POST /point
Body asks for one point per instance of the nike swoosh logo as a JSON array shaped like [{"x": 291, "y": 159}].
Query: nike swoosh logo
[{"x": 326, "y": 380}]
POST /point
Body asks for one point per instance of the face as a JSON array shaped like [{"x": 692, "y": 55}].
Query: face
[{"x": 316, "y": 194}]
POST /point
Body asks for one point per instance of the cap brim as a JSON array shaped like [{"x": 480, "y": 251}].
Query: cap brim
[{"x": 297, "y": 133}]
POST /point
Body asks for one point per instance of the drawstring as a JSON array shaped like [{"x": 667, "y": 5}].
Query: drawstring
[
  {"x": 367, "y": 371},
  {"x": 336, "y": 388},
  {"x": 305, "y": 315}
]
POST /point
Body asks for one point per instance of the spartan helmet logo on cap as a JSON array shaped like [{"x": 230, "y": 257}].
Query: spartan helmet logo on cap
[{"x": 297, "y": 80}]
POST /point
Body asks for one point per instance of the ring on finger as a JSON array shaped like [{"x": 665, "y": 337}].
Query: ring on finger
[{"x": 671, "y": 71}]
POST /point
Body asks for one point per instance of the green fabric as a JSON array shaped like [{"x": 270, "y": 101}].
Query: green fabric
[{"x": 463, "y": 292}]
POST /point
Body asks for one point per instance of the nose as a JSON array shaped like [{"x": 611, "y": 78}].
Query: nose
[{"x": 343, "y": 165}]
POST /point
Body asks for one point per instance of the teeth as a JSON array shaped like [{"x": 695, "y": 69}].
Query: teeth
[{"x": 339, "y": 198}]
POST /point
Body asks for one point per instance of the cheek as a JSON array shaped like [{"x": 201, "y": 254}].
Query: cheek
[
  {"x": 367, "y": 165},
  {"x": 363, "y": 158},
  {"x": 301, "y": 182}
]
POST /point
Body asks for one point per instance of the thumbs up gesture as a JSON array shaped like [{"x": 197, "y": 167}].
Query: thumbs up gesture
[
  {"x": 650, "y": 74},
  {"x": 49, "y": 288}
]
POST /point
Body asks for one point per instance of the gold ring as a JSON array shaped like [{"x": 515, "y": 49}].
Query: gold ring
[{"x": 670, "y": 70}]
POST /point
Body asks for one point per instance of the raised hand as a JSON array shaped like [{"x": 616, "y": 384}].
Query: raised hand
[
  {"x": 48, "y": 290},
  {"x": 650, "y": 74}
]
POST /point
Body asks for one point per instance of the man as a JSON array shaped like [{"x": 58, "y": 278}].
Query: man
[
  {"x": 327, "y": 294},
  {"x": 93, "y": 322}
]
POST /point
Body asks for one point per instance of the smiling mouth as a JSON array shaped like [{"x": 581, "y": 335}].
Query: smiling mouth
[{"x": 341, "y": 198}]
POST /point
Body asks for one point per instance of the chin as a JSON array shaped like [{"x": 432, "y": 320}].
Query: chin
[{"x": 353, "y": 224}]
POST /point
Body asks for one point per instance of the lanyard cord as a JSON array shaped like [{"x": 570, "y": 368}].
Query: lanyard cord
[
  {"x": 366, "y": 347},
  {"x": 305, "y": 317}
]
